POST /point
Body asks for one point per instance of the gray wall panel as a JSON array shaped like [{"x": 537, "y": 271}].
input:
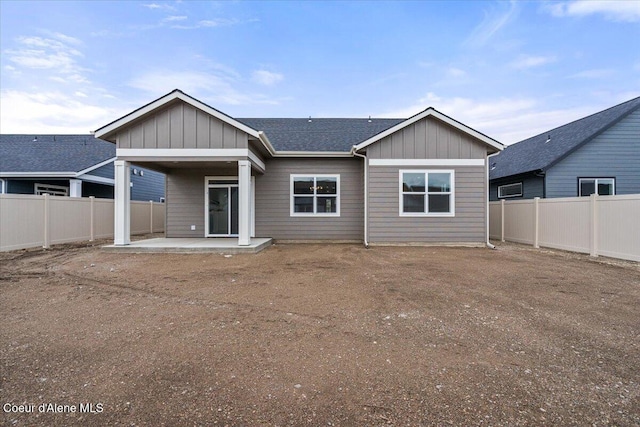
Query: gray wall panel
[
  {"x": 273, "y": 201},
  {"x": 613, "y": 154},
  {"x": 532, "y": 186},
  {"x": 387, "y": 226},
  {"x": 428, "y": 138}
]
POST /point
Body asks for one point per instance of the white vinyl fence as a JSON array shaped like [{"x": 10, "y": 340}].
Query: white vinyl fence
[
  {"x": 597, "y": 225},
  {"x": 28, "y": 221}
]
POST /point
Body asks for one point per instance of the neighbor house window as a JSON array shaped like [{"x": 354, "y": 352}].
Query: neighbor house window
[
  {"x": 315, "y": 195},
  {"x": 599, "y": 186},
  {"x": 510, "y": 190},
  {"x": 54, "y": 190},
  {"x": 427, "y": 193}
]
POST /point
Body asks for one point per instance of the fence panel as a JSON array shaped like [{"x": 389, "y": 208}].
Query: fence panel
[
  {"x": 495, "y": 220},
  {"x": 598, "y": 225},
  {"x": 519, "y": 221},
  {"x": 21, "y": 221},
  {"x": 28, "y": 221},
  {"x": 618, "y": 226},
  {"x": 565, "y": 223}
]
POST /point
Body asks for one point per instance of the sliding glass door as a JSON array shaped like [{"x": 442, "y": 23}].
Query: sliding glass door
[{"x": 222, "y": 210}]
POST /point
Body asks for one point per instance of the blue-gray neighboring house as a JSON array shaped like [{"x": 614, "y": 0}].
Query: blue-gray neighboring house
[
  {"x": 69, "y": 165},
  {"x": 599, "y": 153}
]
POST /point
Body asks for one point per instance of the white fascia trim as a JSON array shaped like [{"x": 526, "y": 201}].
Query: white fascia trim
[
  {"x": 426, "y": 162},
  {"x": 94, "y": 167},
  {"x": 158, "y": 103},
  {"x": 187, "y": 154},
  {"x": 265, "y": 141},
  {"x": 97, "y": 179},
  {"x": 38, "y": 174},
  {"x": 319, "y": 154},
  {"x": 430, "y": 112}
]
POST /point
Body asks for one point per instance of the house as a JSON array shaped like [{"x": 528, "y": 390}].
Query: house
[
  {"x": 596, "y": 154},
  {"x": 68, "y": 165},
  {"x": 422, "y": 180}
]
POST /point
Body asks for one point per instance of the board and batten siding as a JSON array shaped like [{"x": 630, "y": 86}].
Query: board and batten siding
[
  {"x": 428, "y": 138},
  {"x": 387, "y": 226},
  {"x": 273, "y": 201},
  {"x": 181, "y": 125},
  {"x": 185, "y": 200},
  {"x": 615, "y": 153}
]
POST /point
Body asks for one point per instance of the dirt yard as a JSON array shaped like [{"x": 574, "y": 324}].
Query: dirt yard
[{"x": 319, "y": 335}]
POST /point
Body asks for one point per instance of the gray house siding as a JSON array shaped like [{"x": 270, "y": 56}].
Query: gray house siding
[
  {"x": 185, "y": 200},
  {"x": 615, "y": 153},
  {"x": 105, "y": 171},
  {"x": 532, "y": 186},
  {"x": 467, "y": 226},
  {"x": 428, "y": 138},
  {"x": 148, "y": 186},
  {"x": 180, "y": 125},
  {"x": 273, "y": 201}
]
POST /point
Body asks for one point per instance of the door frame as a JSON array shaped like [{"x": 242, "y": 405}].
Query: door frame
[{"x": 208, "y": 184}]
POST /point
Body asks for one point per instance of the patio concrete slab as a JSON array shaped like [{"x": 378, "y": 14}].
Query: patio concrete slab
[{"x": 177, "y": 245}]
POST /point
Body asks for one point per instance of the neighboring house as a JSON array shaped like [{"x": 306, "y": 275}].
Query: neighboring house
[
  {"x": 596, "y": 154},
  {"x": 421, "y": 180},
  {"x": 68, "y": 165}
]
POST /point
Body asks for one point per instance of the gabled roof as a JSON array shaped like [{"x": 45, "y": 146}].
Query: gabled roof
[
  {"x": 319, "y": 134},
  {"x": 53, "y": 153},
  {"x": 434, "y": 113},
  {"x": 107, "y": 130},
  {"x": 536, "y": 154}
]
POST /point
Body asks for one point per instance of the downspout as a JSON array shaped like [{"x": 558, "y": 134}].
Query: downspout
[
  {"x": 366, "y": 195},
  {"x": 487, "y": 166}
]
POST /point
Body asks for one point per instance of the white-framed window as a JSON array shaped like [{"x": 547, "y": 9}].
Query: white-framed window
[
  {"x": 427, "y": 193},
  {"x": 2, "y": 186},
  {"x": 510, "y": 190},
  {"x": 599, "y": 186},
  {"x": 54, "y": 190},
  {"x": 315, "y": 195}
]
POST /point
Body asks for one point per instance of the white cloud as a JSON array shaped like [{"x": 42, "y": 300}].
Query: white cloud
[
  {"x": 491, "y": 24},
  {"x": 51, "y": 112},
  {"x": 216, "y": 86},
  {"x": 529, "y": 61},
  {"x": 158, "y": 6},
  {"x": 266, "y": 78},
  {"x": 174, "y": 18},
  {"x": 456, "y": 72},
  {"x": 45, "y": 54},
  {"x": 621, "y": 11},
  {"x": 593, "y": 74},
  {"x": 212, "y": 23},
  {"x": 507, "y": 120}
]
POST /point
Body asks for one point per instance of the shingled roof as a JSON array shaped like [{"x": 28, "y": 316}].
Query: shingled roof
[
  {"x": 535, "y": 153},
  {"x": 49, "y": 153},
  {"x": 318, "y": 134}
]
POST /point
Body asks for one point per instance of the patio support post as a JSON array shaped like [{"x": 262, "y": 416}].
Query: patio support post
[
  {"x": 244, "y": 202},
  {"x": 75, "y": 188},
  {"x": 122, "y": 204}
]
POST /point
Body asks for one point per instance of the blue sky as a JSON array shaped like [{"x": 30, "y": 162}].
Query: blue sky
[{"x": 508, "y": 69}]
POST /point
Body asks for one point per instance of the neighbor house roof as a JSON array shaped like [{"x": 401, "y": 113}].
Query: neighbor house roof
[
  {"x": 53, "y": 153},
  {"x": 319, "y": 134},
  {"x": 542, "y": 151}
]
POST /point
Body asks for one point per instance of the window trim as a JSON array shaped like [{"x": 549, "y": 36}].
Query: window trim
[
  {"x": 513, "y": 195},
  {"x": 42, "y": 187},
  {"x": 315, "y": 176},
  {"x": 452, "y": 193},
  {"x": 595, "y": 179},
  {"x": 3, "y": 184}
]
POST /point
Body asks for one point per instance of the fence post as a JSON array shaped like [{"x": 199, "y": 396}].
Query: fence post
[
  {"x": 593, "y": 241},
  {"x": 150, "y": 216},
  {"x": 47, "y": 231},
  {"x": 92, "y": 227},
  {"x": 502, "y": 220},
  {"x": 536, "y": 221}
]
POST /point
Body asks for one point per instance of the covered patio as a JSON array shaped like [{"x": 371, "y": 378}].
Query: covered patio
[{"x": 222, "y": 245}]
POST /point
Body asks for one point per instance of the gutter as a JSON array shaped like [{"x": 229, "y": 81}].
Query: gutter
[{"x": 366, "y": 194}]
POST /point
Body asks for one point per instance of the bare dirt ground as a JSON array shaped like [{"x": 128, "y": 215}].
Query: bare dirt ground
[{"x": 320, "y": 335}]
